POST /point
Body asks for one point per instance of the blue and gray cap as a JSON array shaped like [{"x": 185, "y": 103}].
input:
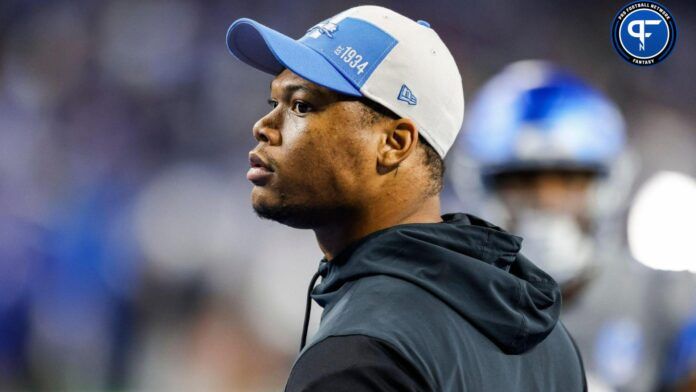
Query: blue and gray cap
[{"x": 371, "y": 52}]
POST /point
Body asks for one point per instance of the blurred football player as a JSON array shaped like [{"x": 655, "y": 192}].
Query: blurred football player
[{"x": 546, "y": 146}]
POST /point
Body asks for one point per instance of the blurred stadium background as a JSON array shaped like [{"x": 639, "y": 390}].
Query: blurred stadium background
[{"x": 130, "y": 258}]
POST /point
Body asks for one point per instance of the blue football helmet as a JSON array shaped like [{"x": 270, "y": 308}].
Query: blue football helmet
[{"x": 536, "y": 116}]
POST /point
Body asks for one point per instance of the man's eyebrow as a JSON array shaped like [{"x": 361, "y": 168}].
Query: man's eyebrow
[{"x": 288, "y": 89}]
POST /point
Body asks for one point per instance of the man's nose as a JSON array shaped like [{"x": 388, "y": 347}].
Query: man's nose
[{"x": 267, "y": 130}]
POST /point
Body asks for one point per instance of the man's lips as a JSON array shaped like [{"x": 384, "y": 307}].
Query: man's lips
[{"x": 260, "y": 172}]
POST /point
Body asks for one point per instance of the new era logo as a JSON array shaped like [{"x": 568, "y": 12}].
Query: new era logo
[{"x": 406, "y": 95}]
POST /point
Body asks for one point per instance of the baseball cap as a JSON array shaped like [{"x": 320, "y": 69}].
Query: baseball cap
[{"x": 372, "y": 52}]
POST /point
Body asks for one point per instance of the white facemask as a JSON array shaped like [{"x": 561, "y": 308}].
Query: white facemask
[{"x": 555, "y": 242}]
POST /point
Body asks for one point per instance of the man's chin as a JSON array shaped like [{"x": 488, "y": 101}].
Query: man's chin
[
  {"x": 288, "y": 215},
  {"x": 270, "y": 205},
  {"x": 267, "y": 211},
  {"x": 297, "y": 216}
]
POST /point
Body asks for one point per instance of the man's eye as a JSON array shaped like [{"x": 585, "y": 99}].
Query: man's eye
[
  {"x": 273, "y": 103},
  {"x": 301, "y": 107}
]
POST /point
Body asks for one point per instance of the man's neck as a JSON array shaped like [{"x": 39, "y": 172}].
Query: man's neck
[{"x": 334, "y": 238}]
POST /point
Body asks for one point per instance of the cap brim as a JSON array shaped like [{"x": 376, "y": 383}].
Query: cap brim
[{"x": 270, "y": 51}]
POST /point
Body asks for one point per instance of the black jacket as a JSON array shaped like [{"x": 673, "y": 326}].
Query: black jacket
[{"x": 449, "y": 306}]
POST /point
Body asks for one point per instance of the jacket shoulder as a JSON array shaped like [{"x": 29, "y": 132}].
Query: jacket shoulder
[
  {"x": 447, "y": 349},
  {"x": 411, "y": 320},
  {"x": 354, "y": 363},
  {"x": 383, "y": 307}
]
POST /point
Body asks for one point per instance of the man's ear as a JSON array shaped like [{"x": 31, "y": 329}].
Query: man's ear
[{"x": 398, "y": 142}]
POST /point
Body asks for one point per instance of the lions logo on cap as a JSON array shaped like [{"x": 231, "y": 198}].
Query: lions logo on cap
[{"x": 325, "y": 27}]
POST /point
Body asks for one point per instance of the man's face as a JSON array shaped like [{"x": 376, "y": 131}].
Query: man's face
[
  {"x": 319, "y": 157},
  {"x": 552, "y": 191},
  {"x": 550, "y": 209}
]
